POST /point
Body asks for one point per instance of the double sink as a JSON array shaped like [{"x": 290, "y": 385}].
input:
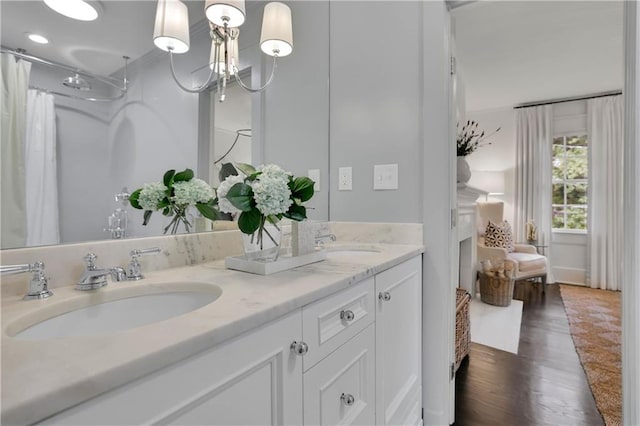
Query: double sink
[{"x": 128, "y": 307}]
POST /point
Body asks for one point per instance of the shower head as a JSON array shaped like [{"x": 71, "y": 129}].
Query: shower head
[{"x": 76, "y": 82}]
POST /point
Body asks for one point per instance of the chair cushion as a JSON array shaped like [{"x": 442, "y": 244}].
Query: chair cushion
[
  {"x": 528, "y": 261},
  {"x": 499, "y": 235}
]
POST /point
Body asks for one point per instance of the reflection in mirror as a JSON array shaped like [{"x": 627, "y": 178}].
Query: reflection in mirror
[{"x": 101, "y": 148}]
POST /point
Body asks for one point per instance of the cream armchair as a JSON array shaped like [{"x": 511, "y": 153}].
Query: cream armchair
[{"x": 527, "y": 262}]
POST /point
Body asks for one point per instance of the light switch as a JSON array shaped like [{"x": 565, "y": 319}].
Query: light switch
[
  {"x": 385, "y": 176},
  {"x": 344, "y": 179},
  {"x": 314, "y": 175}
]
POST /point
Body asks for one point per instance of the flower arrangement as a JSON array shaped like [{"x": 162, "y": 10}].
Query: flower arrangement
[
  {"x": 263, "y": 196},
  {"x": 173, "y": 196},
  {"x": 469, "y": 139}
]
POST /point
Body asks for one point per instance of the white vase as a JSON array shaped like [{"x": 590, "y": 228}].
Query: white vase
[{"x": 463, "y": 172}]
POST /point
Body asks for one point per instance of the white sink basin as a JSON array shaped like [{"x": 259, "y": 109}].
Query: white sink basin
[
  {"x": 339, "y": 252},
  {"x": 118, "y": 315}
]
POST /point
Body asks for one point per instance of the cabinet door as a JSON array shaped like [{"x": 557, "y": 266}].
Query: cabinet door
[
  {"x": 339, "y": 390},
  {"x": 398, "y": 344},
  {"x": 254, "y": 379}
]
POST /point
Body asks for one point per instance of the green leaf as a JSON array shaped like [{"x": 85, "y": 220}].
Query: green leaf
[
  {"x": 167, "y": 211},
  {"x": 296, "y": 212},
  {"x": 227, "y": 170},
  {"x": 247, "y": 169},
  {"x": 146, "y": 217},
  {"x": 249, "y": 221},
  {"x": 168, "y": 178},
  {"x": 207, "y": 210},
  {"x": 183, "y": 176},
  {"x": 133, "y": 199},
  {"x": 302, "y": 188},
  {"x": 241, "y": 196}
]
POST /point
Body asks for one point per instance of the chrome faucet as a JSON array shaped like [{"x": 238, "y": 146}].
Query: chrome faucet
[
  {"x": 135, "y": 269},
  {"x": 320, "y": 239},
  {"x": 93, "y": 277},
  {"x": 38, "y": 286}
]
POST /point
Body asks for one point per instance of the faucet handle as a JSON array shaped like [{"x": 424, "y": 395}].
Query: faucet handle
[
  {"x": 135, "y": 269},
  {"x": 38, "y": 286},
  {"x": 90, "y": 260}
]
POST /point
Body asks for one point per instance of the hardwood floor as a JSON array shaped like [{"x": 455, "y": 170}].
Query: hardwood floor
[{"x": 543, "y": 385}]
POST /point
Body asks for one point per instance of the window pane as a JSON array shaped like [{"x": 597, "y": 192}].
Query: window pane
[
  {"x": 558, "y": 141},
  {"x": 558, "y": 151},
  {"x": 576, "y": 193},
  {"x": 558, "y": 169},
  {"x": 580, "y": 151},
  {"x": 557, "y": 217},
  {"x": 577, "y": 140},
  {"x": 576, "y": 168},
  {"x": 576, "y": 217},
  {"x": 558, "y": 193}
]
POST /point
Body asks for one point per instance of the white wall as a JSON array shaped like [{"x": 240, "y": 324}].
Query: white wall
[
  {"x": 375, "y": 113},
  {"x": 499, "y": 156}
]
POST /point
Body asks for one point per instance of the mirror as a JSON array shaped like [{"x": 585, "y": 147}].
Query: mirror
[{"x": 103, "y": 147}]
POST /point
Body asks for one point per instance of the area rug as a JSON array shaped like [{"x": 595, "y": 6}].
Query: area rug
[
  {"x": 596, "y": 328},
  {"x": 496, "y": 326}
]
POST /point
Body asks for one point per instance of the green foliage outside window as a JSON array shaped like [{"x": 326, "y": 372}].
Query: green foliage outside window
[{"x": 570, "y": 170}]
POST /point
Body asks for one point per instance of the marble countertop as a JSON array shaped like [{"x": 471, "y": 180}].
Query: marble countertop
[{"x": 43, "y": 377}]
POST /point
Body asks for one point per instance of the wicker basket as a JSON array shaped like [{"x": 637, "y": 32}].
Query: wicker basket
[
  {"x": 463, "y": 324},
  {"x": 496, "y": 290}
]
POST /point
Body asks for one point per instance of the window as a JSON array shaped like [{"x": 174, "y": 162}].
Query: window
[{"x": 570, "y": 173}]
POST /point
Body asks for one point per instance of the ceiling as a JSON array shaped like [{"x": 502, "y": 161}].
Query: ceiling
[
  {"x": 513, "y": 52},
  {"x": 124, "y": 27}
]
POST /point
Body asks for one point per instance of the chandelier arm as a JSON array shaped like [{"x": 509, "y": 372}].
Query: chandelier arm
[
  {"x": 187, "y": 89},
  {"x": 260, "y": 89}
]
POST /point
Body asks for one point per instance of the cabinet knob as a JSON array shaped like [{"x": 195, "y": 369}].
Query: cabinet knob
[
  {"x": 385, "y": 296},
  {"x": 347, "y": 399},
  {"x": 299, "y": 348},
  {"x": 347, "y": 315}
]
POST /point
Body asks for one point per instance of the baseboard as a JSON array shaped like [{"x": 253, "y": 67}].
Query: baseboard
[{"x": 573, "y": 276}]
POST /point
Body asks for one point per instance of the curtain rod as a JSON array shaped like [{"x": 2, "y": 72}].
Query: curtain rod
[{"x": 575, "y": 98}]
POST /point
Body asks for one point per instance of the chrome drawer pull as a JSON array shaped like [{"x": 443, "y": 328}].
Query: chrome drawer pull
[
  {"x": 347, "y": 399},
  {"x": 385, "y": 296},
  {"x": 299, "y": 348},
  {"x": 347, "y": 315}
]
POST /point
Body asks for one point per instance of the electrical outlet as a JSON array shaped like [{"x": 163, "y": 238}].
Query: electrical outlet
[
  {"x": 314, "y": 175},
  {"x": 385, "y": 176},
  {"x": 345, "y": 182}
]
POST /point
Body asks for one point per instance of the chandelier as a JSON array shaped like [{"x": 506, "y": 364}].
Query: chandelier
[{"x": 171, "y": 34}]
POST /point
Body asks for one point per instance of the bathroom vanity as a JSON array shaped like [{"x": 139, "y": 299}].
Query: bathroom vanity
[{"x": 338, "y": 341}]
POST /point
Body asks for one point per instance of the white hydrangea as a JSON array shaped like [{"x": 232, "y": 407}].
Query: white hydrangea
[
  {"x": 271, "y": 190},
  {"x": 191, "y": 192},
  {"x": 223, "y": 204},
  {"x": 151, "y": 194}
]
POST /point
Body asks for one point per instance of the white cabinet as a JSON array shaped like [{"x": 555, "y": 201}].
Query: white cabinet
[
  {"x": 361, "y": 366},
  {"x": 340, "y": 390},
  {"x": 398, "y": 344},
  {"x": 254, "y": 379}
]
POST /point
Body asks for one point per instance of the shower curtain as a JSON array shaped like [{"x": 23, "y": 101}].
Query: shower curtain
[
  {"x": 41, "y": 171},
  {"x": 15, "y": 82}
]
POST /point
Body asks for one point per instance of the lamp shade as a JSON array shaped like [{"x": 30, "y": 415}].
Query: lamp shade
[
  {"x": 171, "y": 30},
  {"x": 277, "y": 35},
  {"x": 232, "y": 49},
  {"x": 491, "y": 181},
  {"x": 220, "y": 11}
]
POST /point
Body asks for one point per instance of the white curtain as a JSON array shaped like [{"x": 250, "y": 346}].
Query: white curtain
[
  {"x": 533, "y": 174},
  {"x": 41, "y": 170},
  {"x": 604, "y": 121},
  {"x": 15, "y": 83}
]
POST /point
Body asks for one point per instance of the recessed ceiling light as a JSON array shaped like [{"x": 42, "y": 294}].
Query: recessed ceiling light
[
  {"x": 75, "y": 9},
  {"x": 37, "y": 38}
]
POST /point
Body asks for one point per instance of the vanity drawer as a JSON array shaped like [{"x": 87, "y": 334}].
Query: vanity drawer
[
  {"x": 330, "y": 322},
  {"x": 340, "y": 390}
]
